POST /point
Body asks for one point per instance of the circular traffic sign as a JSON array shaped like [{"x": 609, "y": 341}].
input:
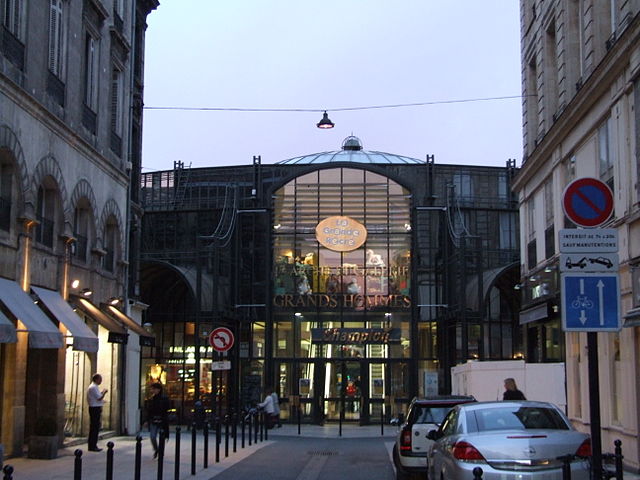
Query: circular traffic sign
[
  {"x": 587, "y": 202},
  {"x": 221, "y": 339}
]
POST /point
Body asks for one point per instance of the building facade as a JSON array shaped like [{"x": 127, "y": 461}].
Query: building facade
[
  {"x": 352, "y": 280},
  {"x": 581, "y": 98},
  {"x": 70, "y": 114}
]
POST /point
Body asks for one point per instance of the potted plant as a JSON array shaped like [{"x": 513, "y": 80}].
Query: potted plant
[{"x": 44, "y": 441}]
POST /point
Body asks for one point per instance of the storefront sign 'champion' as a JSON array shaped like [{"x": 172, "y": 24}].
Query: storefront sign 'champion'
[{"x": 341, "y": 234}]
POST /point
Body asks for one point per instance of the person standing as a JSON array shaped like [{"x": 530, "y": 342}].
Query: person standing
[
  {"x": 95, "y": 399},
  {"x": 268, "y": 407},
  {"x": 511, "y": 391},
  {"x": 157, "y": 416},
  {"x": 276, "y": 409}
]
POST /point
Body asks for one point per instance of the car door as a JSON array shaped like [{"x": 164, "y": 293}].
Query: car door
[{"x": 438, "y": 451}]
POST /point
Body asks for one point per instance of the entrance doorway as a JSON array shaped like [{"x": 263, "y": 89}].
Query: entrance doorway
[{"x": 343, "y": 385}]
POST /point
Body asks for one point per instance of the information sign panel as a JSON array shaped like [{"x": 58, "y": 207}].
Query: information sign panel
[{"x": 590, "y": 302}]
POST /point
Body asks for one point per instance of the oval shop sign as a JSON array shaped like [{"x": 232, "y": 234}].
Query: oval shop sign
[{"x": 341, "y": 234}]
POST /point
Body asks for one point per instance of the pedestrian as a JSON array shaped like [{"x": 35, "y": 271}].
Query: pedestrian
[
  {"x": 268, "y": 406},
  {"x": 157, "y": 416},
  {"x": 276, "y": 408},
  {"x": 95, "y": 399},
  {"x": 511, "y": 391}
]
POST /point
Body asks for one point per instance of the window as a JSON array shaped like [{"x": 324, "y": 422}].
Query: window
[
  {"x": 531, "y": 212},
  {"x": 116, "y": 101},
  {"x": 91, "y": 60},
  {"x": 45, "y": 214},
  {"x": 56, "y": 38},
  {"x": 81, "y": 231},
  {"x": 6, "y": 184},
  {"x": 531, "y": 104},
  {"x": 12, "y": 13},
  {"x": 606, "y": 153},
  {"x": 551, "y": 73},
  {"x": 635, "y": 278},
  {"x": 549, "y": 233},
  {"x": 110, "y": 242}
]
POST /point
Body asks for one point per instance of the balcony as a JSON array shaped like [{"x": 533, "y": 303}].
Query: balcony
[
  {"x": 116, "y": 144},
  {"x": 89, "y": 119},
  {"x": 81, "y": 246},
  {"x": 44, "y": 231},
  {"x": 55, "y": 88}
]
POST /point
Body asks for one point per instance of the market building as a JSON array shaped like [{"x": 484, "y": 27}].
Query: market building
[
  {"x": 352, "y": 280},
  {"x": 70, "y": 117},
  {"x": 581, "y": 101}
]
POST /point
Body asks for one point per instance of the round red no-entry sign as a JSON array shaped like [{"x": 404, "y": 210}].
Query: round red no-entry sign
[
  {"x": 221, "y": 339},
  {"x": 587, "y": 202}
]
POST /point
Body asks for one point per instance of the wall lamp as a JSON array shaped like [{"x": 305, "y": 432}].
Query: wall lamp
[
  {"x": 114, "y": 301},
  {"x": 550, "y": 268},
  {"x": 325, "y": 122},
  {"x": 86, "y": 292},
  {"x": 75, "y": 283},
  {"x": 517, "y": 286}
]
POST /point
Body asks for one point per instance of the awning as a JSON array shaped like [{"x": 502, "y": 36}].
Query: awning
[
  {"x": 7, "y": 330},
  {"x": 117, "y": 333},
  {"x": 83, "y": 338},
  {"x": 146, "y": 339},
  {"x": 42, "y": 332}
]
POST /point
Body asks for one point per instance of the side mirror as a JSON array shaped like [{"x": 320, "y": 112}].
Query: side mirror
[{"x": 434, "y": 435}]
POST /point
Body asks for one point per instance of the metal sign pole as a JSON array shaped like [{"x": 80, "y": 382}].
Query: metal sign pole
[{"x": 594, "y": 406}]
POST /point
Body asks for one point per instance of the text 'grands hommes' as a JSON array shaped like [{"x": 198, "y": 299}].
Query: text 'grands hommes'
[{"x": 344, "y": 300}]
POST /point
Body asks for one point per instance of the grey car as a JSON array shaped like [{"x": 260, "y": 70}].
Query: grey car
[{"x": 509, "y": 440}]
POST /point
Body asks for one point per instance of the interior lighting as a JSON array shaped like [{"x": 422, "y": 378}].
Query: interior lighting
[
  {"x": 325, "y": 122},
  {"x": 114, "y": 301},
  {"x": 298, "y": 314},
  {"x": 276, "y": 227},
  {"x": 86, "y": 292}
]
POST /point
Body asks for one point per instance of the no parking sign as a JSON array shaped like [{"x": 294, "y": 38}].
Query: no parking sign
[{"x": 587, "y": 202}]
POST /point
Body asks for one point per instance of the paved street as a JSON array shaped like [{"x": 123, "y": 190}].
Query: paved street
[{"x": 318, "y": 453}]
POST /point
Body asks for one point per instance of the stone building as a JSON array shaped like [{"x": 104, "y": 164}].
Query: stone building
[
  {"x": 70, "y": 136},
  {"x": 581, "y": 101}
]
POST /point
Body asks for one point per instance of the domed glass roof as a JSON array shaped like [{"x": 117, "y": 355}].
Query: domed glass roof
[{"x": 351, "y": 152}]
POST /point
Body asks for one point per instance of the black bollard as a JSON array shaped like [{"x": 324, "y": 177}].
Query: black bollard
[
  {"x": 618, "y": 458},
  {"x": 110, "y": 461},
  {"x": 477, "y": 473},
  {"x": 256, "y": 427},
  {"x": 8, "y": 472},
  {"x": 566, "y": 466},
  {"x": 262, "y": 425},
  {"x": 250, "y": 430},
  {"x": 267, "y": 421},
  {"x": 77, "y": 465},
  {"x": 299, "y": 418},
  {"x": 176, "y": 467},
  {"x": 382, "y": 420},
  {"x": 161, "y": 434},
  {"x": 242, "y": 431},
  {"x": 205, "y": 431},
  {"x": 138, "y": 460},
  {"x": 226, "y": 436},
  {"x": 218, "y": 440},
  {"x": 234, "y": 432},
  {"x": 193, "y": 449}
]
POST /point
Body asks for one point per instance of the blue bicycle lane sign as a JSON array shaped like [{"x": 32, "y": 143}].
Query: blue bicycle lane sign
[{"x": 590, "y": 302}]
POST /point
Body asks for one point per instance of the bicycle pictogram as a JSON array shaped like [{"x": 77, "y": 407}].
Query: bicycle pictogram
[{"x": 582, "y": 301}]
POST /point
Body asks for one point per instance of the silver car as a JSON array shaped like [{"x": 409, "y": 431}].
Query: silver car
[{"x": 509, "y": 441}]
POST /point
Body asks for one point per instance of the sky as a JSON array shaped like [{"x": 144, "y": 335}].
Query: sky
[{"x": 329, "y": 55}]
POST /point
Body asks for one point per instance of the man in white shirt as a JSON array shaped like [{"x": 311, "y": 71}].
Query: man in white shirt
[
  {"x": 95, "y": 399},
  {"x": 269, "y": 408}
]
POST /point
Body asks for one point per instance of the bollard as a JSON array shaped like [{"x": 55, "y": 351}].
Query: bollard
[
  {"x": 618, "y": 459},
  {"x": 226, "y": 436},
  {"x": 234, "y": 432},
  {"x": 242, "y": 431},
  {"x": 250, "y": 430},
  {"x": 382, "y": 420},
  {"x": 267, "y": 421},
  {"x": 77, "y": 465},
  {"x": 193, "y": 449},
  {"x": 256, "y": 427},
  {"x": 477, "y": 473},
  {"x": 205, "y": 431},
  {"x": 299, "y": 418},
  {"x": 566, "y": 466},
  {"x": 110, "y": 461},
  {"x": 218, "y": 440},
  {"x": 262, "y": 425},
  {"x": 176, "y": 467},
  {"x": 8, "y": 472},
  {"x": 161, "y": 434},
  {"x": 138, "y": 460}
]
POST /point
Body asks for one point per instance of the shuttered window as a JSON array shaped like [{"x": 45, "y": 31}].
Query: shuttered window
[
  {"x": 12, "y": 16},
  {"x": 91, "y": 72},
  {"x": 56, "y": 38},
  {"x": 116, "y": 101}
]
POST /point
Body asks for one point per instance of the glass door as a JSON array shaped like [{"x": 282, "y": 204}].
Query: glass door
[{"x": 343, "y": 390}]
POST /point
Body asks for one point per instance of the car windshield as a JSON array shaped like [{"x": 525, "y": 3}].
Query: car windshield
[
  {"x": 519, "y": 418},
  {"x": 430, "y": 414}
]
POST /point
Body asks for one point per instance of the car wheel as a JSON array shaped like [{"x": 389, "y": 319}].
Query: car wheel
[{"x": 400, "y": 474}]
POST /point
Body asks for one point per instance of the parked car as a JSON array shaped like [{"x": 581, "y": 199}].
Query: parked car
[
  {"x": 411, "y": 447},
  {"x": 509, "y": 440}
]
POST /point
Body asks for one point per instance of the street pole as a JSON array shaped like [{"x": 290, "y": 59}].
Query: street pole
[
  {"x": 196, "y": 337},
  {"x": 594, "y": 405}
]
